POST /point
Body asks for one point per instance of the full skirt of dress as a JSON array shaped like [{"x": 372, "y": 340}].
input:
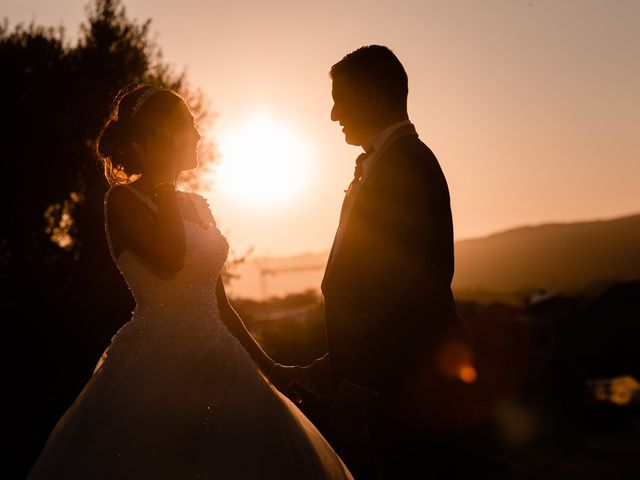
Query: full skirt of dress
[{"x": 182, "y": 403}]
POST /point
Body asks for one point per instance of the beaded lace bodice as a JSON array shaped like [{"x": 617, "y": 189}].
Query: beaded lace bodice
[{"x": 192, "y": 289}]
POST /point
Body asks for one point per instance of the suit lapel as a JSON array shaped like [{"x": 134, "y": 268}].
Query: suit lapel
[
  {"x": 333, "y": 245},
  {"x": 408, "y": 130}
]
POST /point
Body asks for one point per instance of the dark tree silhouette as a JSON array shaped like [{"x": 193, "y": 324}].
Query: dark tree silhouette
[{"x": 60, "y": 294}]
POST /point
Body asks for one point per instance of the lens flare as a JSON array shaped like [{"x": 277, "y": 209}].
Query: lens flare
[
  {"x": 456, "y": 360},
  {"x": 468, "y": 374}
]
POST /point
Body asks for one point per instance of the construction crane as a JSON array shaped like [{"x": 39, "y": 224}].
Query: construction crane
[{"x": 272, "y": 271}]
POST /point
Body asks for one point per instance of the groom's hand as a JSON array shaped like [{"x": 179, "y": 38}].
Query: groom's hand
[
  {"x": 284, "y": 378},
  {"x": 317, "y": 378}
]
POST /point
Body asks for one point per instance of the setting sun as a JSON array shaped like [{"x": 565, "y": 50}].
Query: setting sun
[{"x": 263, "y": 162}]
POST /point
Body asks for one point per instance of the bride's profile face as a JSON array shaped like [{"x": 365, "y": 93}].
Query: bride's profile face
[
  {"x": 179, "y": 141},
  {"x": 182, "y": 128}
]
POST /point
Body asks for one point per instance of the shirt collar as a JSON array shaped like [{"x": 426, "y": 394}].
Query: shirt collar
[{"x": 375, "y": 142}]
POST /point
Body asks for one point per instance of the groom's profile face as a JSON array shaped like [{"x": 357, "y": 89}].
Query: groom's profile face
[{"x": 353, "y": 109}]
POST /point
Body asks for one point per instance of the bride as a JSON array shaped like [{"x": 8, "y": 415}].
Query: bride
[{"x": 183, "y": 391}]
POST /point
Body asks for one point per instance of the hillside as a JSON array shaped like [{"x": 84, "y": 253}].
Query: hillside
[{"x": 559, "y": 256}]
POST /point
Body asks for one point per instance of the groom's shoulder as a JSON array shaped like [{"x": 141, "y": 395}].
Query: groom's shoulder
[
  {"x": 411, "y": 146},
  {"x": 409, "y": 153}
]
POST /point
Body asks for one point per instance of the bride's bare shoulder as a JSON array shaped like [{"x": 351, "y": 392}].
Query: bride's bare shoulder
[{"x": 122, "y": 204}]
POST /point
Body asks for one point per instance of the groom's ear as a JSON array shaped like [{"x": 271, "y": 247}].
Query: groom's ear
[{"x": 372, "y": 94}]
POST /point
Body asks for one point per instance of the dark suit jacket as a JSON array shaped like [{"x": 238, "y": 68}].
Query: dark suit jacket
[{"x": 388, "y": 300}]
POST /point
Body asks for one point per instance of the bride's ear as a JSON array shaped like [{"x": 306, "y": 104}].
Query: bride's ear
[
  {"x": 137, "y": 149},
  {"x": 138, "y": 153}
]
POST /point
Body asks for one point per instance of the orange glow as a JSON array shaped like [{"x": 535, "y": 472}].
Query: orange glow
[
  {"x": 263, "y": 163},
  {"x": 620, "y": 390},
  {"x": 455, "y": 360},
  {"x": 468, "y": 374}
]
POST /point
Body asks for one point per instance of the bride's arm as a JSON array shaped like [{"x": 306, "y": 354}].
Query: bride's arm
[
  {"x": 159, "y": 241},
  {"x": 236, "y": 326},
  {"x": 282, "y": 376}
]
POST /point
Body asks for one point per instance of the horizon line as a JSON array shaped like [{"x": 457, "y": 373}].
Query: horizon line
[{"x": 545, "y": 223}]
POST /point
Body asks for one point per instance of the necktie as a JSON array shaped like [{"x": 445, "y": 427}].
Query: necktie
[
  {"x": 359, "y": 170},
  {"x": 357, "y": 173}
]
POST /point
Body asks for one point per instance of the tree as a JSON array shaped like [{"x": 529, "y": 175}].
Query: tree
[{"x": 60, "y": 293}]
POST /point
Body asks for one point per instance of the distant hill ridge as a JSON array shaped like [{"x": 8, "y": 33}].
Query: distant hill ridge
[{"x": 552, "y": 256}]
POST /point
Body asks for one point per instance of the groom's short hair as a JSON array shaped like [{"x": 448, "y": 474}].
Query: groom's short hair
[{"x": 375, "y": 65}]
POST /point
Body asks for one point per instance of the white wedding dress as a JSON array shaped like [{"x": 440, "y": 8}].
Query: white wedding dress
[{"x": 176, "y": 396}]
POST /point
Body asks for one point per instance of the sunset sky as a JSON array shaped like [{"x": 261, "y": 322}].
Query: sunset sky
[{"x": 532, "y": 107}]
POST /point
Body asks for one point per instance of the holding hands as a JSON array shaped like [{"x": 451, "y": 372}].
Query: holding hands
[
  {"x": 317, "y": 378},
  {"x": 284, "y": 378},
  {"x": 314, "y": 378}
]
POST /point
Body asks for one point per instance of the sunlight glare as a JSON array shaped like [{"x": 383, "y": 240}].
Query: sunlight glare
[{"x": 263, "y": 162}]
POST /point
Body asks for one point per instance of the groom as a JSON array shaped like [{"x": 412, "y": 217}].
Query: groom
[{"x": 397, "y": 348}]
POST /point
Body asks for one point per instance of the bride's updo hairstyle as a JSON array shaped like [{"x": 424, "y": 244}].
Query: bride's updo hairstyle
[{"x": 136, "y": 112}]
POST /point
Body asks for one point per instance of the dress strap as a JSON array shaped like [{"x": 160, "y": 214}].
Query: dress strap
[{"x": 107, "y": 230}]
